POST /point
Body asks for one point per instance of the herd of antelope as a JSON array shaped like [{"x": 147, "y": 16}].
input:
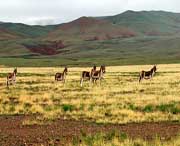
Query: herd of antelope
[{"x": 91, "y": 76}]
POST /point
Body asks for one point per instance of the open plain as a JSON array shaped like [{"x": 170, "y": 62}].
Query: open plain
[{"x": 57, "y": 113}]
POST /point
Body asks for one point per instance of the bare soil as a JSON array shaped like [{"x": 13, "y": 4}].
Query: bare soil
[{"x": 62, "y": 132}]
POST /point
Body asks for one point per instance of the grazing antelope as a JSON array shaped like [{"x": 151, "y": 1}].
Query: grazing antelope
[
  {"x": 98, "y": 74},
  {"x": 86, "y": 75},
  {"x": 61, "y": 76},
  {"x": 147, "y": 74},
  {"x": 11, "y": 77}
]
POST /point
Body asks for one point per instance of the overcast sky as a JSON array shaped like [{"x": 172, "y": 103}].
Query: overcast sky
[{"x": 45, "y": 12}]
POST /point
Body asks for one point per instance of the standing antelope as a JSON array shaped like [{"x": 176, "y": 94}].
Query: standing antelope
[
  {"x": 147, "y": 74},
  {"x": 61, "y": 76},
  {"x": 86, "y": 75},
  {"x": 11, "y": 77},
  {"x": 98, "y": 75}
]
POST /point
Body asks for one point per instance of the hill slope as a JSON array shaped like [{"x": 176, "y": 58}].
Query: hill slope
[
  {"x": 148, "y": 22},
  {"x": 144, "y": 37},
  {"x": 27, "y": 30},
  {"x": 88, "y": 28},
  {"x": 8, "y": 35}
]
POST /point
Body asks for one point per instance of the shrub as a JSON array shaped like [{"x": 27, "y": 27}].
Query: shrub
[
  {"x": 148, "y": 108},
  {"x": 123, "y": 136},
  {"x": 67, "y": 107},
  {"x": 172, "y": 108},
  {"x": 109, "y": 136},
  {"x": 132, "y": 107}
]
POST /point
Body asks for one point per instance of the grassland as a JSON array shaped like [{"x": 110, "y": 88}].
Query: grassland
[
  {"x": 124, "y": 51},
  {"x": 119, "y": 99},
  {"x": 120, "y": 139}
]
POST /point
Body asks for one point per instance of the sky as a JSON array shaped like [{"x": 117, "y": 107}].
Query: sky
[{"x": 45, "y": 12}]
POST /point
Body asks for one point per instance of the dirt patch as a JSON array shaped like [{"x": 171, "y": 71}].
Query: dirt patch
[
  {"x": 52, "y": 48},
  {"x": 12, "y": 131}
]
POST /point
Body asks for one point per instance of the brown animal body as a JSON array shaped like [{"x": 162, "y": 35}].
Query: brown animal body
[
  {"x": 86, "y": 75},
  {"x": 98, "y": 74},
  {"x": 11, "y": 77},
  {"x": 61, "y": 76},
  {"x": 147, "y": 74}
]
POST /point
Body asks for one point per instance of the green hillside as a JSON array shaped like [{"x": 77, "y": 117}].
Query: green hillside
[
  {"x": 148, "y": 22},
  {"x": 146, "y": 37},
  {"x": 137, "y": 50},
  {"x": 27, "y": 30}
]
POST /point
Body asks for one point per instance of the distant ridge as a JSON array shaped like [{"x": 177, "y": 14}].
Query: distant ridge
[
  {"x": 132, "y": 37},
  {"x": 89, "y": 28},
  {"x": 148, "y": 22},
  {"x": 26, "y": 30},
  {"x": 141, "y": 22}
]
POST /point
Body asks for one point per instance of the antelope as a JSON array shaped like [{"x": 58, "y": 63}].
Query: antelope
[
  {"x": 11, "y": 77},
  {"x": 147, "y": 74},
  {"x": 98, "y": 75},
  {"x": 61, "y": 76},
  {"x": 86, "y": 75}
]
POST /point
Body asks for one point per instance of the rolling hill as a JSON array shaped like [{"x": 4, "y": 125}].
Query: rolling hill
[
  {"x": 131, "y": 37},
  {"x": 8, "y": 35},
  {"x": 27, "y": 30},
  {"x": 88, "y": 28},
  {"x": 148, "y": 22}
]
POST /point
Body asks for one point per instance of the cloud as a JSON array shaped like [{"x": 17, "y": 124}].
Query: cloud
[
  {"x": 58, "y": 11},
  {"x": 41, "y": 21}
]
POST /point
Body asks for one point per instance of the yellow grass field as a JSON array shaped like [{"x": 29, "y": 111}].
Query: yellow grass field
[{"x": 119, "y": 99}]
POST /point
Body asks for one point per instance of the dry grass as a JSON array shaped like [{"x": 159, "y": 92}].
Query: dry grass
[
  {"x": 114, "y": 139},
  {"x": 119, "y": 99}
]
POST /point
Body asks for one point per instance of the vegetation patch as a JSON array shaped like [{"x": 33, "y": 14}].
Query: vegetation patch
[
  {"x": 173, "y": 108},
  {"x": 115, "y": 138},
  {"x": 67, "y": 107}
]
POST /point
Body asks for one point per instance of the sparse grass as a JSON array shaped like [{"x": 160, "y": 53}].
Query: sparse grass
[
  {"x": 115, "y": 138},
  {"x": 119, "y": 98}
]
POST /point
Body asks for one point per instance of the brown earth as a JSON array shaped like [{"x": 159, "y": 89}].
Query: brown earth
[
  {"x": 52, "y": 48},
  {"x": 61, "y": 132},
  {"x": 90, "y": 29}
]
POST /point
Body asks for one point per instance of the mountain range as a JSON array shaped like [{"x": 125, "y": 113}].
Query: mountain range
[{"x": 132, "y": 37}]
